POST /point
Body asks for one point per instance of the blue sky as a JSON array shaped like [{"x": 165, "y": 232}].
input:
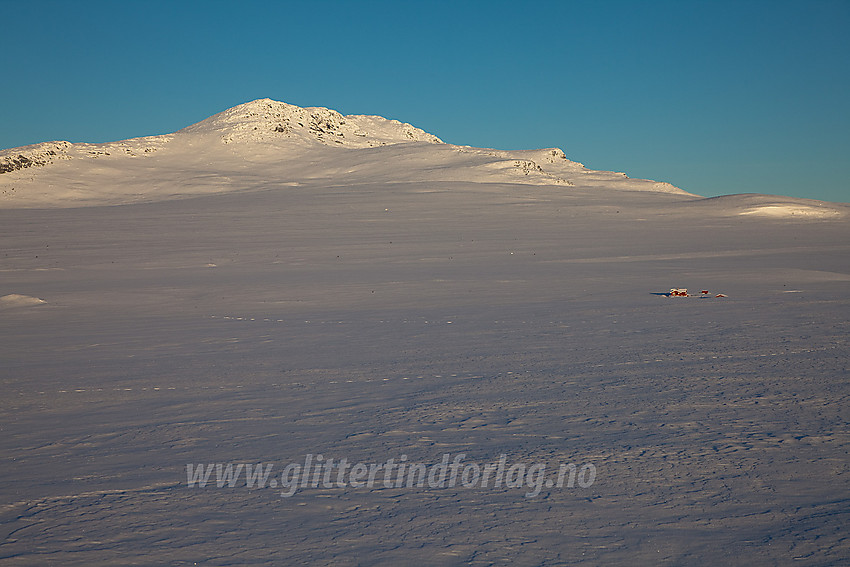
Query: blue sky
[{"x": 715, "y": 97}]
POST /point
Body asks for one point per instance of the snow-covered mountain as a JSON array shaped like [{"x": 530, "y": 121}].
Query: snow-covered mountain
[
  {"x": 268, "y": 145},
  {"x": 265, "y": 142}
]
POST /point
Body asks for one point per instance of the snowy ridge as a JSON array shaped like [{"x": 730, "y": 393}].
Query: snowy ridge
[
  {"x": 550, "y": 166},
  {"x": 47, "y": 153},
  {"x": 36, "y": 155}
]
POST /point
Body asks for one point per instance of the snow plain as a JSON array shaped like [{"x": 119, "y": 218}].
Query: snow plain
[{"x": 353, "y": 287}]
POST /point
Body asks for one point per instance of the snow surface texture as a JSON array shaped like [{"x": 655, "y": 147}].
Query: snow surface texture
[{"x": 413, "y": 299}]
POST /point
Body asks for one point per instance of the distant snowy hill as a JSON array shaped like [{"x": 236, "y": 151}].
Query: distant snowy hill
[{"x": 265, "y": 144}]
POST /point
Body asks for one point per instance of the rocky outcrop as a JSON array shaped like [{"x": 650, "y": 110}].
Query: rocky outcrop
[{"x": 33, "y": 156}]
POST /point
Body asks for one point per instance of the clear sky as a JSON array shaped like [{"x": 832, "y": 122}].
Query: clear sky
[{"x": 715, "y": 97}]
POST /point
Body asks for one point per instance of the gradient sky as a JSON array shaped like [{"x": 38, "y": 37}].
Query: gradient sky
[{"x": 715, "y": 97}]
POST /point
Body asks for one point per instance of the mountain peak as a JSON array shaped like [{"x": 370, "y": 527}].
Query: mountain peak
[{"x": 266, "y": 120}]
